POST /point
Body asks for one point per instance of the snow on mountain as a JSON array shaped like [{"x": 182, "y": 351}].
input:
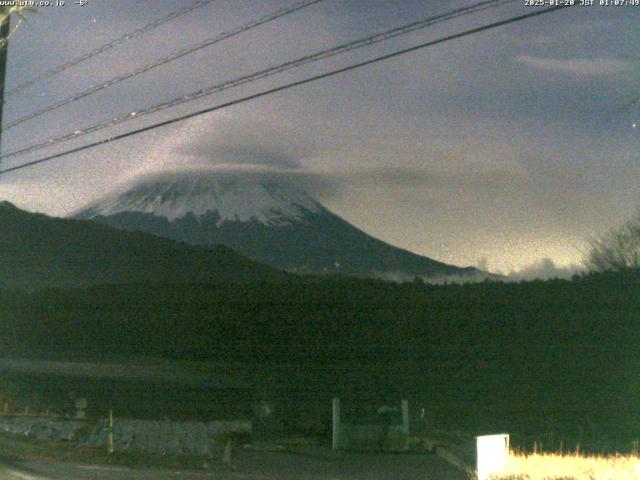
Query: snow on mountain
[{"x": 233, "y": 199}]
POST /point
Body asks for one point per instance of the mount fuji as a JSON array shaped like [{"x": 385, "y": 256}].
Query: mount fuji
[{"x": 270, "y": 221}]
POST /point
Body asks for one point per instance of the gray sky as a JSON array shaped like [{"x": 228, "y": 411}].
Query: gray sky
[{"x": 509, "y": 146}]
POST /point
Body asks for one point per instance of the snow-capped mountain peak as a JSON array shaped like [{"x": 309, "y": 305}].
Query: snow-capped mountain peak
[
  {"x": 197, "y": 193},
  {"x": 265, "y": 219}
]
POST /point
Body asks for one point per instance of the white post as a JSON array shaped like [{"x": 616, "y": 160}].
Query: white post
[
  {"x": 110, "y": 435},
  {"x": 405, "y": 417},
  {"x": 492, "y": 455},
  {"x": 335, "y": 443}
]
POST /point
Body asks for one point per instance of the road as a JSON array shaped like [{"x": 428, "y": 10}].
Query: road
[{"x": 252, "y": 465}]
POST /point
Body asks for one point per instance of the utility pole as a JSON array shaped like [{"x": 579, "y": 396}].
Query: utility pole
[{"x": 4, "y": 50}]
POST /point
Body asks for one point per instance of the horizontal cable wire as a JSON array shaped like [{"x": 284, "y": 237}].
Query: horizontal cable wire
[
  {"x": 163, "y": 61},
  {"x": 364, "y": 42},
  {"x": 107, "y": 46},
  {"x": 285, "y": 87}
]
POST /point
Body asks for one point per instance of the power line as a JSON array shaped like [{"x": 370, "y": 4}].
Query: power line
[
  {"x": 364, "y": 42},
  {"x": 108, "y": 46},
  {"x": 287, "y": 86},
  {"x": 164, "y": 60}
]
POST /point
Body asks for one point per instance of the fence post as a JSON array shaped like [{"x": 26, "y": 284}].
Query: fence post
[
  {"x": 335, "y": 443},
  {"x": 110, "y": 433},
  {"x": 405, "y": 417}
]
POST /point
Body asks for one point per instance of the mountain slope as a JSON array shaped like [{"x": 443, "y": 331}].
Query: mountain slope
[
  {"x": 40, "y": 251},
  {"x": 271, "y": 222}
]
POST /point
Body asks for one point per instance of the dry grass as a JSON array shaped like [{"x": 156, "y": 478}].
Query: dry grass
[{"x": 549, "y": 466}]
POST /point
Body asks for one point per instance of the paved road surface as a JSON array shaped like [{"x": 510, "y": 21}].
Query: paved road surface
[{"x": 252, "y": 465}]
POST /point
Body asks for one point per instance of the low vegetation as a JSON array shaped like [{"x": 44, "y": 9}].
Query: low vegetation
[{"x": 549, "y": 466}]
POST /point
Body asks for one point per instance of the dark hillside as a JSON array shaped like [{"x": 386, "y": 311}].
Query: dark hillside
[{"x": 38, "y": 251}]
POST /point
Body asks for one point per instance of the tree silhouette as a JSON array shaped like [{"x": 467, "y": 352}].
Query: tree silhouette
[{"x": 617, "y": 250}]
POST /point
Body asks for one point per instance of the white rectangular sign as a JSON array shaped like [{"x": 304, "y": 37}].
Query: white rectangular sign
[{"x": 492, "y": 455}]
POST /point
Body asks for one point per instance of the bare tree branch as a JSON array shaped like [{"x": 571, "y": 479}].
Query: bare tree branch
[{"x": 619, "y": 249}]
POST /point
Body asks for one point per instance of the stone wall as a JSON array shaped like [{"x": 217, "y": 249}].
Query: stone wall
[
  {"x": 165, "y": 437},
  {"x": 151, "y": 436},
  {"x": 42, "y": 428}
]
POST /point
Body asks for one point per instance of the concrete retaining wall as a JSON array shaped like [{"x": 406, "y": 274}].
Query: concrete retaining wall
[{"x": 390, "y": 438}]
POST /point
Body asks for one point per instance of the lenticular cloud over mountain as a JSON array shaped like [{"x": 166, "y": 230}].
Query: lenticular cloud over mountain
[{"x": 264, "y": 218}]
